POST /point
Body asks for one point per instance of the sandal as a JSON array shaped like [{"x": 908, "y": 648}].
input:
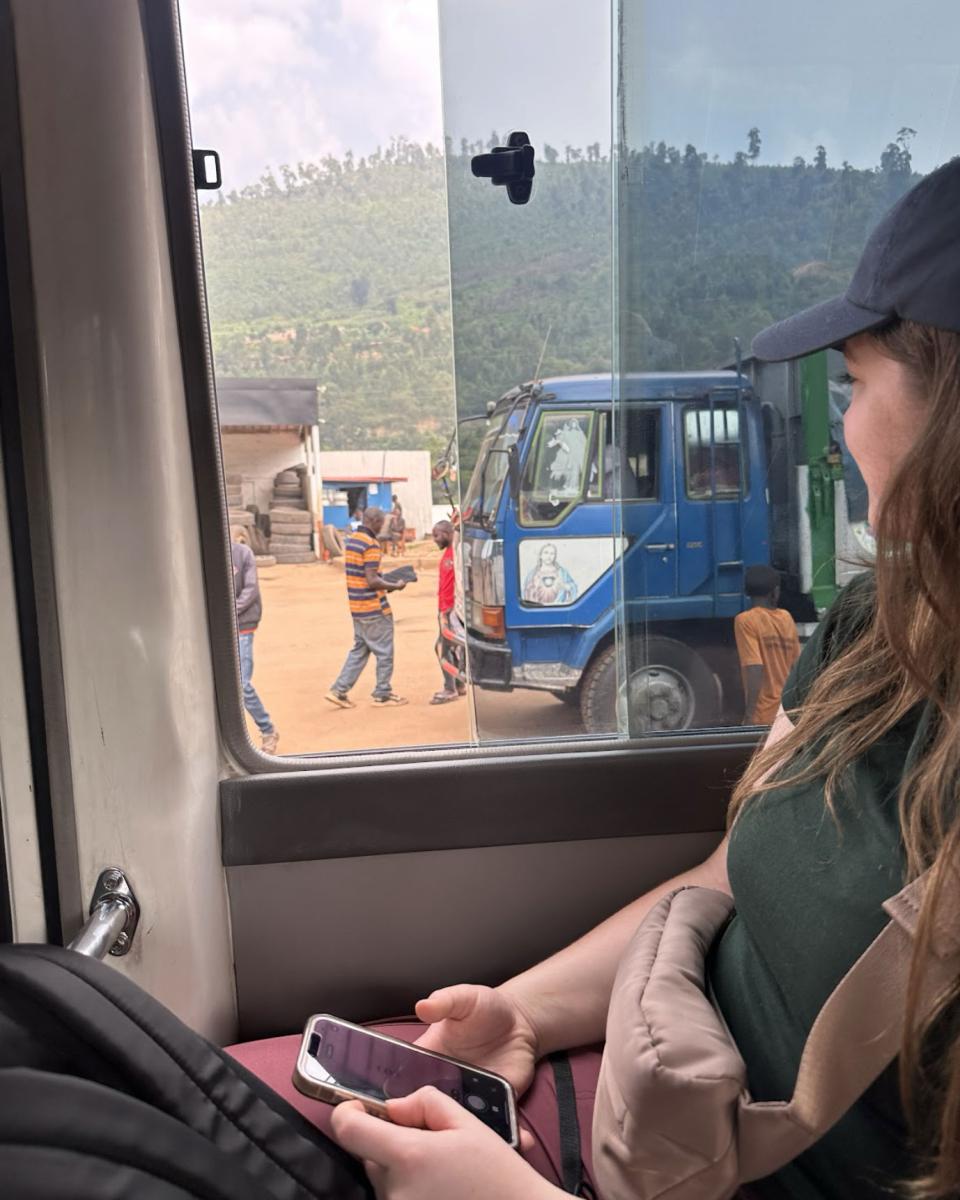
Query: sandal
[{"x": 443, "y": 697}]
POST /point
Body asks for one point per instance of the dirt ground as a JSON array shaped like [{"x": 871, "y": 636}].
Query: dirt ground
[{"x": 300, "y": 646}]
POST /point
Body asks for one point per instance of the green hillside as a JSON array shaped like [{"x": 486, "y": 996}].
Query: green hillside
[{"x": 340, "y": 270}]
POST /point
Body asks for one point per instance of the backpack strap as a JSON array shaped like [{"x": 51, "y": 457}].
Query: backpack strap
[
  {"x": 856, "y": 1035},
  {"x": 571, "y": 1161}
]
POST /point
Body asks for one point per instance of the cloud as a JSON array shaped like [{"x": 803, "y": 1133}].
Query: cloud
[
  {"x": 232, "y": 44},
  {"x": 280, "y": 81}
]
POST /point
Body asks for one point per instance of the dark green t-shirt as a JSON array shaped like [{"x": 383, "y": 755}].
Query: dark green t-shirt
[{"x": 808, "y": 902}]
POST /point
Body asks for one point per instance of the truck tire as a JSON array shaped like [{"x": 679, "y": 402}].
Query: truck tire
[{"x": 670, "y": 689}]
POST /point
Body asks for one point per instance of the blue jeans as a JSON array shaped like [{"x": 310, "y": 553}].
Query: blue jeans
[
  {"x": 251, "y": 701},
  {"x": 371, "y": 635}
]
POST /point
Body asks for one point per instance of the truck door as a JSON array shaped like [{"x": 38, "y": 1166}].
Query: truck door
[
  {"x": 560, "y": 546},
  {"x": 649, "y": 512},
  {"x": 711, "y": 481}
]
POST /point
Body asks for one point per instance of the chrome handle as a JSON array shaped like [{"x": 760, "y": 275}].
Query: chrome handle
[
  {"x": 659, "y": 547},
  {"x": 114, "y": 914}
]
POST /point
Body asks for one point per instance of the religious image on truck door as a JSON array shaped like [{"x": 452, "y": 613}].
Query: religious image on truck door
[{"x": 559, "y": 571}]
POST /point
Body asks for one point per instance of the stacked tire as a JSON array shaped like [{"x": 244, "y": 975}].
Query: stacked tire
[
  {"x": 291, "y": 526},
  {"x": 288, "y": 491},
  {"x": 235, "y": 491}
]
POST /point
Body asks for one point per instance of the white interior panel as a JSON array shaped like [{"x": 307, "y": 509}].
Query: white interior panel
[{"x": 136, "y": 658}]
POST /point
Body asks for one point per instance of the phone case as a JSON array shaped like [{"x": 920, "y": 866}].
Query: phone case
[{"x": 329, "y": 1094}]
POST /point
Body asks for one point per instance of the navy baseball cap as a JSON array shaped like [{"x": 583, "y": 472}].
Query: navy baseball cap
[{"x": 910, "y": 268}]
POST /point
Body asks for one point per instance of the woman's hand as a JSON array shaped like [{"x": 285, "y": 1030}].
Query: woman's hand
[
  {"x": 482, "y": 1026},
  {"x": 433, "y": 1149}
]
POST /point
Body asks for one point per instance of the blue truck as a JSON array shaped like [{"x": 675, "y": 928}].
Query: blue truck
[{"x": 663, "y": 499}]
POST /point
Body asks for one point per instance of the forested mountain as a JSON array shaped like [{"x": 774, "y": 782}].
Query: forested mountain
[{"x": 340, "y": 270}]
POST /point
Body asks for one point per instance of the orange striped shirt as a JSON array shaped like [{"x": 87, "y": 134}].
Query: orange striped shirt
[{"x": 362, "y": 550}]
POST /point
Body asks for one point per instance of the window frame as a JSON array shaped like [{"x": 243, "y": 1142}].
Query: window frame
[
  {"x": 742, "y": 490},
  {"x": 241, "y": 759},
  {"x": 534, "y": 461}
]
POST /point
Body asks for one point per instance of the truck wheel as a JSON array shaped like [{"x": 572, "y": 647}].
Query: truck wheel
[
  {"x": 570, "y": 696},
  {"x": 670, "y": 688}
]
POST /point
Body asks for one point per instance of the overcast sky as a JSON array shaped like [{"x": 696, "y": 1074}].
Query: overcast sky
[{"x": 274, "y": 81}]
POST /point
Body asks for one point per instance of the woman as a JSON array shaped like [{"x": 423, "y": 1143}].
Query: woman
[{"x": 854, "y": 792}]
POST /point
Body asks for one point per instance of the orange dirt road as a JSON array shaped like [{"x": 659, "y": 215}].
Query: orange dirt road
[{"x": 304, "y": 637}]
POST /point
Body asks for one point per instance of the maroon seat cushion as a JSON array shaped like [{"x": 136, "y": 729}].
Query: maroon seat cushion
[{"x": 273, "y": 1060}]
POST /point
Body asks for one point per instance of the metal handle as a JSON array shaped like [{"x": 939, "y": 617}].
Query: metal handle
[
  {"x": 659, "y": 547},
  {"x": 114, "y": 914}
]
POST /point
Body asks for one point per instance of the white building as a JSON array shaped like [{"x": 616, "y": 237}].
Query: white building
[
  {"x": 372, "y": 477},
  {"x": 268, "y": 426}
]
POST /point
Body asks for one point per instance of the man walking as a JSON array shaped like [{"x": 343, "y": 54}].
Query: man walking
[
  {"x": 372, "y": 618},
  {"x": 246, "y": 589},
  {"x": 447, "y": 648}
]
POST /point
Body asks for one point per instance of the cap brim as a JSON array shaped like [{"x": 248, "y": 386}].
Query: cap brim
[{"x": 818, "y": 328}]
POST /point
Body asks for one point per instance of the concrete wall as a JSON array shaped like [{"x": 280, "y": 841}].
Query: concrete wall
[
  {"x": 259, "y": 457},
  {"x": 439, "y": 512},
  {"x": 414, "y": 495}
]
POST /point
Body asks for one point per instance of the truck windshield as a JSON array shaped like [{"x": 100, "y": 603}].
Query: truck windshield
[{"x": 486, "y": 483}]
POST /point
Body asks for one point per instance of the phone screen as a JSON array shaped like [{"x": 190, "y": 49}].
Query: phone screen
[{"x": 347, "y": 1057}]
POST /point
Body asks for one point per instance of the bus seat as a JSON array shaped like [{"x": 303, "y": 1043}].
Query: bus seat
[{"x": 272, "y": 1060}]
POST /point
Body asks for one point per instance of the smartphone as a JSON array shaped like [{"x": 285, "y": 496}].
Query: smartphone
[{"x": 339, "y": 1061}]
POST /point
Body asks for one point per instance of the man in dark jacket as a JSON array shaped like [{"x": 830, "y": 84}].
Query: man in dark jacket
[{"x": 249, "y": 610}]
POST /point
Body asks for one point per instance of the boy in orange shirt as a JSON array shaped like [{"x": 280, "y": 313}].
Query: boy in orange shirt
[{"x": 767, "y": 644}]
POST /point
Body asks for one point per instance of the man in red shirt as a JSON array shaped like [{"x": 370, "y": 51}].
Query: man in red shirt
[{"x": 447, "y": 649}]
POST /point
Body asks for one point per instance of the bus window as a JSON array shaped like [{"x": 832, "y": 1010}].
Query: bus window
[
  {"x": 325, "y": 259},
  {"x": 711, "y": 463}
]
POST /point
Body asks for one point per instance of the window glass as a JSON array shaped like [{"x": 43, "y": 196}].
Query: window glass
[
  {"x": 386, "y": 322},
  {"x": 639, "y": 457},
  {"x": 711, "y": 448},
  {"x": 738, "y": 202},
  {"x": 531, "y": 289},
  {"x": 492, "y": 464},
  {"x": 557, "y": 467},
  {"x": 327, "y": 273}
]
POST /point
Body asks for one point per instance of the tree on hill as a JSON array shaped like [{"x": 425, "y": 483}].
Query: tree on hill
[{"x": 356, "y": 263}]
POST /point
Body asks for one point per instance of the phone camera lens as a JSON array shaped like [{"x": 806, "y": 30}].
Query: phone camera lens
[{"x": 477, "y": 1103}]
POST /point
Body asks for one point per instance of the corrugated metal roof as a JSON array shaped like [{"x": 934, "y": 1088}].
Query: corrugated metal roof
[
  {"x": 268, "y": 402},
  {"x": 330, "y": 480}
]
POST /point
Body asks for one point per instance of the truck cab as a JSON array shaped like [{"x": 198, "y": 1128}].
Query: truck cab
[{"x": 660, "y": 497}]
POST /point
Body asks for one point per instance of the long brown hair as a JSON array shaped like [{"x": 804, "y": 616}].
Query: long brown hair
[{"x": 905, "y": 653}]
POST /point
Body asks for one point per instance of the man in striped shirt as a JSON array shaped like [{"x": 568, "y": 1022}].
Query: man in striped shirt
[{"x": 372, "y": 618}]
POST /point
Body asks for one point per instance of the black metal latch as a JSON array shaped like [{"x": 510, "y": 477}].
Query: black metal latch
[
  {"x": 207, "y": 176},
  {"x": 510, "y": 166}
]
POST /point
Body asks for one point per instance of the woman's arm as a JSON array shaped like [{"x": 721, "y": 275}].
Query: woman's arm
[{"x": 566, "y": 997}]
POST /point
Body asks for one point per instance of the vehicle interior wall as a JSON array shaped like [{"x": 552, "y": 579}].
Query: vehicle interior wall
[
  {"x": 140, "y": 743},
  {"x": 17, "y": 811},
  {"x": 362, "y": 888}
]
